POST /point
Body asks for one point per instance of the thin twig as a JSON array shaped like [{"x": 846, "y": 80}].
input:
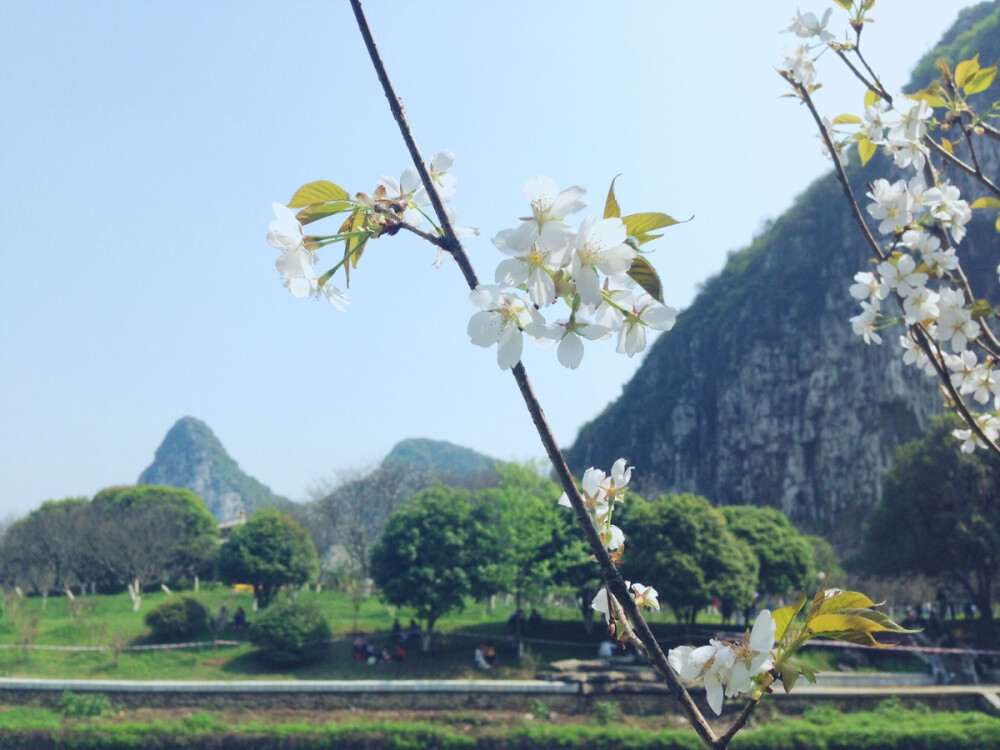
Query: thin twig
[
  {"x": 949, "y": 157},
  {"x": 839, "y": 168},
  {"x": 876, "y": 87},
  {"x": 615, "y": 583},
  {"x": 451, "y": 242}
]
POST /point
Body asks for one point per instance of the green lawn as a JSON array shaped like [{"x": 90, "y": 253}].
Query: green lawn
[{"x": 108, "y": 622}]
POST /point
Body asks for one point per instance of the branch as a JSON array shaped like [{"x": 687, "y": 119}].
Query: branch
[
  {"x": 875, "y": 88},
  {"x": 838, "y": 167},
  {"x": 949, "y": 157},
  {"x": 450, "y": 241}
]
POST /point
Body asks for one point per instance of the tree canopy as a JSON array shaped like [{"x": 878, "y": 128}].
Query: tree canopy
[
  {"x": 269, "y": 551},
  {"x": 682, "y": 546},
  {"x": 526, "y": 541},
  {"x": 425, "y": 559},
  {"x": 785, "y": 555},
  {"x": 939, "y": 515}
]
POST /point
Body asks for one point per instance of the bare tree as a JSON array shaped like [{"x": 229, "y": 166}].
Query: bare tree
[{"x": 353, "y": 514}]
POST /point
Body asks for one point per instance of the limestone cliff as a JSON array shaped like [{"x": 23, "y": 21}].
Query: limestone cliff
[{"x": 762, "y": 394}]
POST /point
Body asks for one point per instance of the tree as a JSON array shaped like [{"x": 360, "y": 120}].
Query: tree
[
  {"x": 269, "y": 551},
  {"x": 785, "y": 555},
  {"x": 426, "y": 557},
  {"x": 826, "y": 562},
  {"x": 940, "y": 516},
  {"x": 682, "y": 545},
  {"x": 147, "y": 534},
  {"x": 354, "y": 514},
  {"x": 520, "y": 537},
  {"x": 46, "y": 549}
]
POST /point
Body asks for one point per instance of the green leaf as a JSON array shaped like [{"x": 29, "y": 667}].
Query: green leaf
[
  {"x": 982, "y": 308},
  {"x": 933, "y": 95},
  {"x": 996, "y": 225},
  {"x": 784, "y": 615},
  {"x": 981, "y": 81},
  {"x": 986, "y": 201},
  {"x": 837, "y": 624},
  {"x": 788, "y": 678},
  {"x": 879, "y": 618},
  {"x": 846, "y": 118},
  {"x": 319, "y": 191},
  {"x": 965, "y": 70},
  {"x": 866, "y": 149},
  {"x": 845, "y": 4},
  {"x": 828, "y": 601},
  {"x": 611, "y": 207},
  {"x": 870, "y": 98},
  {"x": 316, "y": 211},
  {"x": 639, "y": 225},
  {"x": 643, "y": 273}
]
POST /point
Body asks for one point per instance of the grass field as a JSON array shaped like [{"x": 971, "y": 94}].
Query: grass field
[{"x": 108, "y": 623}]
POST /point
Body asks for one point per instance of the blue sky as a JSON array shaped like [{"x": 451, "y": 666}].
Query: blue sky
[{"x": 141, "y": 146}]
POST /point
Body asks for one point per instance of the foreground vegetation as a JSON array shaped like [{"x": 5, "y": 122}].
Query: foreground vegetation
[{"x": 888, "y": 726}]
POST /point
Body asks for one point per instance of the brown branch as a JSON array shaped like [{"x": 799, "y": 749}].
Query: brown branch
[
  {"x": 450, "y": 241},
  {"x": 838, "y": 167},
  {"x": 876, "y": 87},
  {"x": 615, "y": 583},
  {"x": 949, "y": 157},
  {"x": 933, "y": 352}
]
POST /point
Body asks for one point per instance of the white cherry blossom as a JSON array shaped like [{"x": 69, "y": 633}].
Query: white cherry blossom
[
  {"x": 806, "y": 25},
  {"x": 501, "y": 318}
]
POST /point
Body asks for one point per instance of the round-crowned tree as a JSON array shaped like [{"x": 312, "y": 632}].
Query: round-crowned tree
[
  {"x": 269, "y": 551},
  {"x": 426, "y": 557},
  {"x": 681, "y": 545}
]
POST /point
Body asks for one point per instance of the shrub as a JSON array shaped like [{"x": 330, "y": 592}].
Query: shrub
[
  {"x": 86, "y": 704},
  {"x": 177, "y": 618},
  {"x": 293, "y": 634}
]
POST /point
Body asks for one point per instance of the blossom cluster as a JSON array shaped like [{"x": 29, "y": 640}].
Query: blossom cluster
[
  {"x": 298, "y": 258},
  {"x": 729, "y": 668},
  {"x": 923, "y": 220},
  {"x": 549, "y": 260},
  {"x": 601, "y": 492},
  {"x": 391, "y": 205}
]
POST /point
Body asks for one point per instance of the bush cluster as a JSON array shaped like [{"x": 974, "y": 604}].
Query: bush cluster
[
  {"x": 177, "y": 619},
  {"x": 293, "y": 634}
]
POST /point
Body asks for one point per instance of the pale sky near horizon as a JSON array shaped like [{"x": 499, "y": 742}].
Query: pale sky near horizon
[{"x": 141, "y": 146}]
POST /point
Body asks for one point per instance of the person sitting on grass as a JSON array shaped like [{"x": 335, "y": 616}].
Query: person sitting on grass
[{"x": 479, "y": 658}]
